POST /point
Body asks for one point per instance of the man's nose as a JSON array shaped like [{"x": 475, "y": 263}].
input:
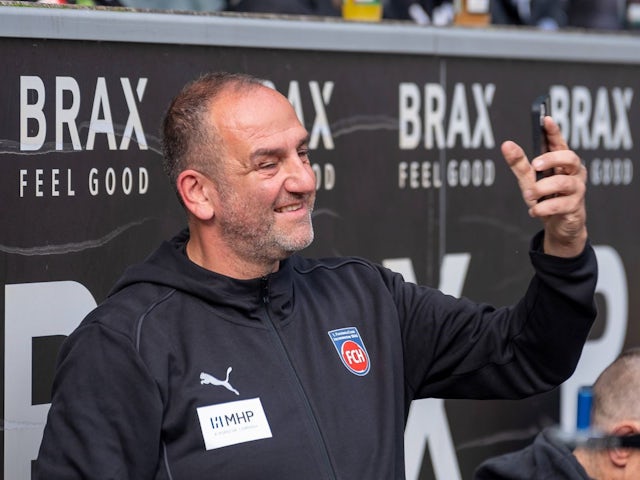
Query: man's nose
[{"x": 300, "y": 176}]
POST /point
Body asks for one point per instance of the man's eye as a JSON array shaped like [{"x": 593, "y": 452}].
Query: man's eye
[{"x": 303, "y": 153}]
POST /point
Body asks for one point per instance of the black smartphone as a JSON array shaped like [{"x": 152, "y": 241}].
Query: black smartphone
[{"x": 540, "y": 108}]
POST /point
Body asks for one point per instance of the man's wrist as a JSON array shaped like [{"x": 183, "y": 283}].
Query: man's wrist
[{"x": 567, "y": 247}]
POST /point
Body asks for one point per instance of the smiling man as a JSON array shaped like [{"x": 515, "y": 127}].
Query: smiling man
[
  {"x": 255, "y": 207},
  {"x": 227, "y": 355}
]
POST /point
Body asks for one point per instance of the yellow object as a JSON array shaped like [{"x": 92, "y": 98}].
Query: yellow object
[{"x": 362, "y": 10}]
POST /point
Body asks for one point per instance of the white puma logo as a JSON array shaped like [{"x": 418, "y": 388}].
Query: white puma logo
[{"x": 211, "y": 380}]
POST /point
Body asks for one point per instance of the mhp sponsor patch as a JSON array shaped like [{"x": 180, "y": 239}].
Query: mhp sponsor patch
[{"x": 351, "y": 350}]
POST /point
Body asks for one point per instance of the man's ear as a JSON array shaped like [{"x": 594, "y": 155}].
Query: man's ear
[
  {"x": 197, "y": 193},
  {"x": 620, "y": 456}
]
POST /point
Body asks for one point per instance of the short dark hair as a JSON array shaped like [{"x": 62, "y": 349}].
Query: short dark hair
[{"x": 189, "y": 139}]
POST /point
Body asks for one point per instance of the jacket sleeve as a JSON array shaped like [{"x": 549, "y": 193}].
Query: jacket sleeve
[
  {"x": 455, "y": 348},
  {"x": 106, "y": 412}
]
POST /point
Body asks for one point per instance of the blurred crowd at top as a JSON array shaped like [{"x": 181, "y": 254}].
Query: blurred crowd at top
[{"x": 543, "y": 14}]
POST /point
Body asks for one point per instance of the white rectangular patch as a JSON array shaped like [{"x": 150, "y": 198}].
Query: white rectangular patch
[
  {"x": 231, "y": 423},
  {"x": 478, "y": 6}
]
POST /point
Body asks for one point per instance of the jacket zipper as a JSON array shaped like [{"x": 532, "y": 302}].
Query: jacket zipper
[{"x": 283, "y": 350}]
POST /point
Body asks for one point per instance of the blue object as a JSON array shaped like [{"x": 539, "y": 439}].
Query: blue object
[{"x": 585, "y": 398}]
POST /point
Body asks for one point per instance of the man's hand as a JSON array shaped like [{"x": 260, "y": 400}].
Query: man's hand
[{"x": 563, "y": 214}]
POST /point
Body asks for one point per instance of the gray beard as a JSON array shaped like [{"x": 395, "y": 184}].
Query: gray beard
[{"x": 265, "y": 245}]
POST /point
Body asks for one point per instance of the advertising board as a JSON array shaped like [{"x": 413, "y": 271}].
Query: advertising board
[{"x": 405, "y": 146}]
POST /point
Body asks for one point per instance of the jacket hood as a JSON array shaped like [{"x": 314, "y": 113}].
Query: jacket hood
[
  {"x": 169, "y": 266},
  {"x": 547, "y": 457}
]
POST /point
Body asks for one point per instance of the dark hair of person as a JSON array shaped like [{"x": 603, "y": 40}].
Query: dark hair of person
[{"x": 189, "y": 137}]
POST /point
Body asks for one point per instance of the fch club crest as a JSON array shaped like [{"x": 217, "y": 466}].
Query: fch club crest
[{"x": 351, "y": 350}]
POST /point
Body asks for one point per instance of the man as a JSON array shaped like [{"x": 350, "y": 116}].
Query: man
[
  {"x": 225, "y": 356},
  {"x": 616, "y": 411},
  {"x": 543, "y": 14}
]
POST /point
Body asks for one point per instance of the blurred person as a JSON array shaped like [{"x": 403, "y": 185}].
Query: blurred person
[
  {"x": 177, "y": 5},
  {"x": 616, "y": 411},
  {"x": 596, "y": 14},
  {"x": 559, "y": 14},
  {"x": 323, "y": 8},
  {"x": 226, "y": 354},
  {"x": 423, "y": 12},
  {"x": 542, "y": 14}
]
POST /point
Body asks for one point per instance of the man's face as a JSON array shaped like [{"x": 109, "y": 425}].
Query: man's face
[{"x": 267, "y": 186}]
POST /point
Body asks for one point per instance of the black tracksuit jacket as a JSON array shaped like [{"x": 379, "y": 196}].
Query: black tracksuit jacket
[{"x": 325, "y": 355}]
